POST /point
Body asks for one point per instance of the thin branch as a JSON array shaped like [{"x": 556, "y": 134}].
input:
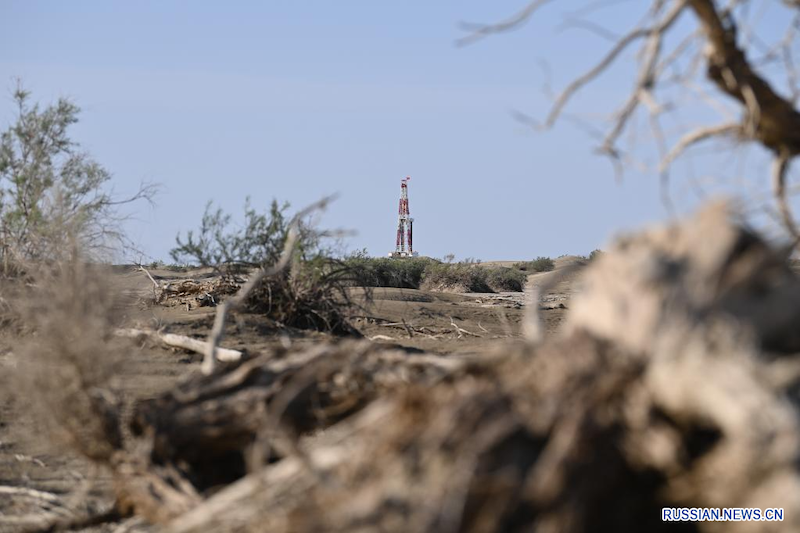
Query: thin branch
[
  {"x": 479, "y": 31},
  {"x": 575, "y": 22},
  {"x": 156, "y": 286},
  {"x": 696, "y": 136},
  {"x": 621, "y": 45},
  {"x": 658, "y": 132},
  {"x": 779, "y": 170}
]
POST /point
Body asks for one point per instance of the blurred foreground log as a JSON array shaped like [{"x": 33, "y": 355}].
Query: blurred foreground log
[{"x": 212, "y": 430}]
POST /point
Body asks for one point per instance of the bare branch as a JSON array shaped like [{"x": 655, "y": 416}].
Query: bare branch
[
  {"x": 779, "y": 169},
  {"x": 772, "y": 120},
  {"x": 696, "y": 136},
  {"x": 479, "y": 31},
  {"x": 156, "y": 286},
  {"x": 600, "y": 31},
  {"x": 609, "y": 58}
]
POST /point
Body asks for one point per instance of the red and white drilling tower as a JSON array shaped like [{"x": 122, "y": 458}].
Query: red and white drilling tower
[{"x": 405, "y": 225}]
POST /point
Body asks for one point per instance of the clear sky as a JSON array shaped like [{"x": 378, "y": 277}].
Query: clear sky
[{"x": 299, "y": 99}]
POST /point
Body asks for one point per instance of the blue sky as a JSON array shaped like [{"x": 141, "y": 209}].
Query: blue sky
[{"x": 295, "y": 100}]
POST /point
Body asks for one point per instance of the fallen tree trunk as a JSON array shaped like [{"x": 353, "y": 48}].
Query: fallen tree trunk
[{"x": 179, "y": 341}]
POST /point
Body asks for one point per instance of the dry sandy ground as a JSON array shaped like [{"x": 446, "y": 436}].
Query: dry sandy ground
[{"x": 415, "y": 319}]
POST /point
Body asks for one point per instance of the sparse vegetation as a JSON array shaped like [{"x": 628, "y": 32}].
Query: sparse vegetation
[
  {"x": 595, "y": 254},
  {"x": 172, "y": 267},
  {"x": 404, "y": 273},
  {"x": 540, "y": 264},
  {"x": 456, "y": 277},
  {"x": 502, "y": 279},
  {"x": 424, "y": 272},
  {"x": 310, "y": 295},
  {"x": 231, "y": 249}
]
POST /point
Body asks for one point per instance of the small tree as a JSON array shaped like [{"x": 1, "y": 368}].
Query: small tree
[
  {"x": 52, "y": 192},
  {"x": 226, "y": 248},
  {"x": 229, "y": 248}
]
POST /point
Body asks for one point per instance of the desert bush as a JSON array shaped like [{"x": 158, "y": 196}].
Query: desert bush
[
  {"x": 231, "y": 249},
  {"x": 404, "y": 272},
  {"x": 540, "y": 264},
  {"x": 52, "y": 192},
  {"x": 505, "y": 279},
  {"x": 312, "y": 294},
  {"x": 595, "y": 254},
  {"x": 456, "y": 277},
  {"x": 424, "y": 272},
  {"x": 172, "y": 267}
]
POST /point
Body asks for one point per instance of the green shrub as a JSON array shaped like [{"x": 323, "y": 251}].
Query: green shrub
[
  {"x": 430, "y": 274},
  {"x": 540, "y": 264},
  {"x": 230, "y": 248},
  {"x": 456, "y": 277},
  {"x": 401, "y": 272},
  {"x": 172, "y": 267},
  {"x": 506, "y": 279}
]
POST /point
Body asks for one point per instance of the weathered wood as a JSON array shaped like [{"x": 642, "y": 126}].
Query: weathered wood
[
  {"x": 216, "y": 427},
  {"x": 179, "y": 341},
  {"x": 242, "y": 503}
]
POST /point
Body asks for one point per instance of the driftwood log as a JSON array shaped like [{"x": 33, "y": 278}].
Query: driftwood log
[{"x": 174, "y": 340}]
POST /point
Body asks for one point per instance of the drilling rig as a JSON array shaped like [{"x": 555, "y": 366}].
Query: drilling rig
[{"x": 405, "y": 225}]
